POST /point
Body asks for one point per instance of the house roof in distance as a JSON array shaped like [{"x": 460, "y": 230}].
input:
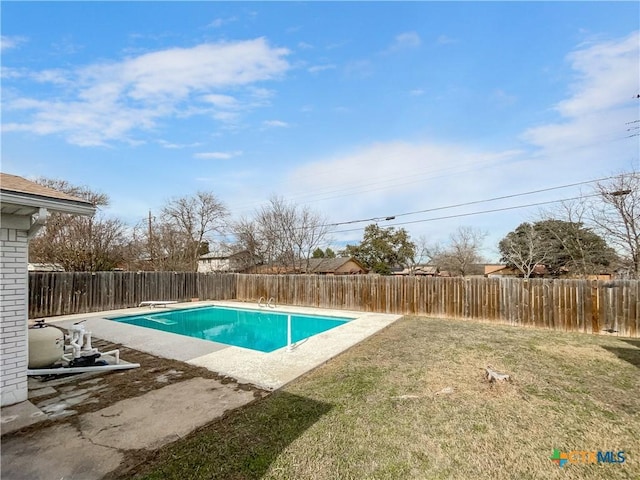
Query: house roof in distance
[{"x": 330, "y": 265}]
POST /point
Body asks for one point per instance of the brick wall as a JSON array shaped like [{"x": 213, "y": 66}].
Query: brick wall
[{"x": 13, "y": 316}]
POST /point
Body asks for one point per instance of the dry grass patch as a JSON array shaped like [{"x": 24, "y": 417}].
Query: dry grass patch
[{"x": 381, "y": 410}]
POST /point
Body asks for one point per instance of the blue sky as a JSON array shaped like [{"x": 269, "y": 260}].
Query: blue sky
[{"x": 358, "y": 110}]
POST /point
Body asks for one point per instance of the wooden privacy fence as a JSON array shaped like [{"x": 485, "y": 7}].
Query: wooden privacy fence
[
  {"x": 571, "y": 305},
  {"x": 64, "y": 293}
]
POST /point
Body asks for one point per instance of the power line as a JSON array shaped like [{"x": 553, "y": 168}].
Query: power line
[
  {"x": 475, "y": 202},
  {"x": 476, "y": 213}
]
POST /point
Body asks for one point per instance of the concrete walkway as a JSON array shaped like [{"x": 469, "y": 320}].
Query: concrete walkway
[{"x": 96, "y": 444}]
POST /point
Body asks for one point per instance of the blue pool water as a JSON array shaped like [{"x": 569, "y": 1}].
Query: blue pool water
[{"x": 255, "y": 329}]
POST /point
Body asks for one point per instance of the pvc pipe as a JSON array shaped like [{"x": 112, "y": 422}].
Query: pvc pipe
[
  {"x": 97, "y": 368},
  {"x": 87, "y": 342}
]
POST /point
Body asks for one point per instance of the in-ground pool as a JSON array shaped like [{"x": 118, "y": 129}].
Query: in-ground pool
[{"x": 260, "y": 330}]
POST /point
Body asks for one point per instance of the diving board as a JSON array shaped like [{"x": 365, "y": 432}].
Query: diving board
[{"x": 157, "y": 303}]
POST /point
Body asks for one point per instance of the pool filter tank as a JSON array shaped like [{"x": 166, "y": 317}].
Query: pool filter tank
[{"x": 46, "y": 345}]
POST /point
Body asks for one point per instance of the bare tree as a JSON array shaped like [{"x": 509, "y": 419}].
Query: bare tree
[
  {"x": 424, "y": 253},
  {"x": 182, "y": 233},
  {"x": 80, "y": 243},
  {"x": 615, "y": 213},
  {"x": 311, "y": 231},
  {"x": 465, "y": 245},
  {"x": 523, "y": 249},
  {"x": 461, "y": 251},
  {"x": 282, "y": 234}
]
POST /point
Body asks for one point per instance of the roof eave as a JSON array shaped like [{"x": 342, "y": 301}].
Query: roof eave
[{"x": 52, "y": 204}]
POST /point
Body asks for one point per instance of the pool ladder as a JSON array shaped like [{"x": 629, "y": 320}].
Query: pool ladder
[{"x": 271, "y": 303}]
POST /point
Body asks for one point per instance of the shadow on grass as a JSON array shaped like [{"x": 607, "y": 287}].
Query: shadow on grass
[
  {"x": 631, "y": 355},
  {"x": 635, "y": 343},
  {"x": 240, "y": 445}
]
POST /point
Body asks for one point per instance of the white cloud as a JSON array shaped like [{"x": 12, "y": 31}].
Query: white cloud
[
  {"x": 600, "y": 101},
  {"x": 321, "y": 68},
  {"x": 416, "y": 92},
  {"x": 219, "y": 22},
  {"x": 607, "y": 76},
  {"x": 392, "y": 165},
  {"x": 9, "y": 42},
  {"x": 217, "y": 155},
  {"x": 261, "y": 94},
  {"x": 175, "y": 146},
  {"x": 403, "y": 41},
  {"x": 445, "y": 40},
  {"x": 11, "y": 73},
  {"x": 275, "y": 124},
  {"x": 179, "y": 71},
  {"x": 224, "y": 101},
  {"x": 55, "y": 76},
  {"x": 228, "y": 118},
  {"x": 394, "y": 177},
  {"x": 111, "y": 101}
]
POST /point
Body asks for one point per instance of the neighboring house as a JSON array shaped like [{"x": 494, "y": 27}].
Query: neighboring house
[
  {"x": 504, "y": 271},
  {"x": 601, "y": 276},
  {"x": 24, "y": 207},
  {"x": 493, "y": 268},
  {"x": 271, "y": 270},
  {"x": 218, "y": 262},
  {"x": 318, "y": 266},
  {"x": 335, "y": 266},
  {"x": 540, "y": 271},
  {"x": 420, "y": 270}
]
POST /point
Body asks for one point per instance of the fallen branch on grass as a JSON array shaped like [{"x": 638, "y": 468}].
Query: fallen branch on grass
[{"x": 492, "y": 376}]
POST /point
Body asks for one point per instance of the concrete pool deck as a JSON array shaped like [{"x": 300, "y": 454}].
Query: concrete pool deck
[
  {"x": 269, "y": 371},
  {"x": 96, "y": 435}
]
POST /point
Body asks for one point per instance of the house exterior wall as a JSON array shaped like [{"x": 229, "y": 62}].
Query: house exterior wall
[
  {"x": 206, "y": 265},
  {"x": 348, "y": 268},
  {"x": 13, "y": 312},
  {"x": 234, "y": 263}
]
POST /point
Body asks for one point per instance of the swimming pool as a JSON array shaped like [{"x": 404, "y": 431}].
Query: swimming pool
[{"x": 260, "y": 330}]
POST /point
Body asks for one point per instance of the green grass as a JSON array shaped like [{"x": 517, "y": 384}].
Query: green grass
[{"x": 375, "y": 412}]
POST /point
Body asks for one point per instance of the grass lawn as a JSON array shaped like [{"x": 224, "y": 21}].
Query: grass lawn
[{"x": 375, "y": 412}]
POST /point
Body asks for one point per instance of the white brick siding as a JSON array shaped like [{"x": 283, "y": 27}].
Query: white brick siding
[{"x": 13, "y": 316}]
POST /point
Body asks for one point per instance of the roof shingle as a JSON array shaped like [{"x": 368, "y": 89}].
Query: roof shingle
[{"x": 13, "y": 183}]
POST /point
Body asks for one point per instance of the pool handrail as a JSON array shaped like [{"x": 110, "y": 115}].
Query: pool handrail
[
  {"x": 260, "y": 304},
  {"x": 270, "y": 304}
]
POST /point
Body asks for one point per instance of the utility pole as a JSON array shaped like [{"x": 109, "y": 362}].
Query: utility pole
[{"x": 150, "y": 239}]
